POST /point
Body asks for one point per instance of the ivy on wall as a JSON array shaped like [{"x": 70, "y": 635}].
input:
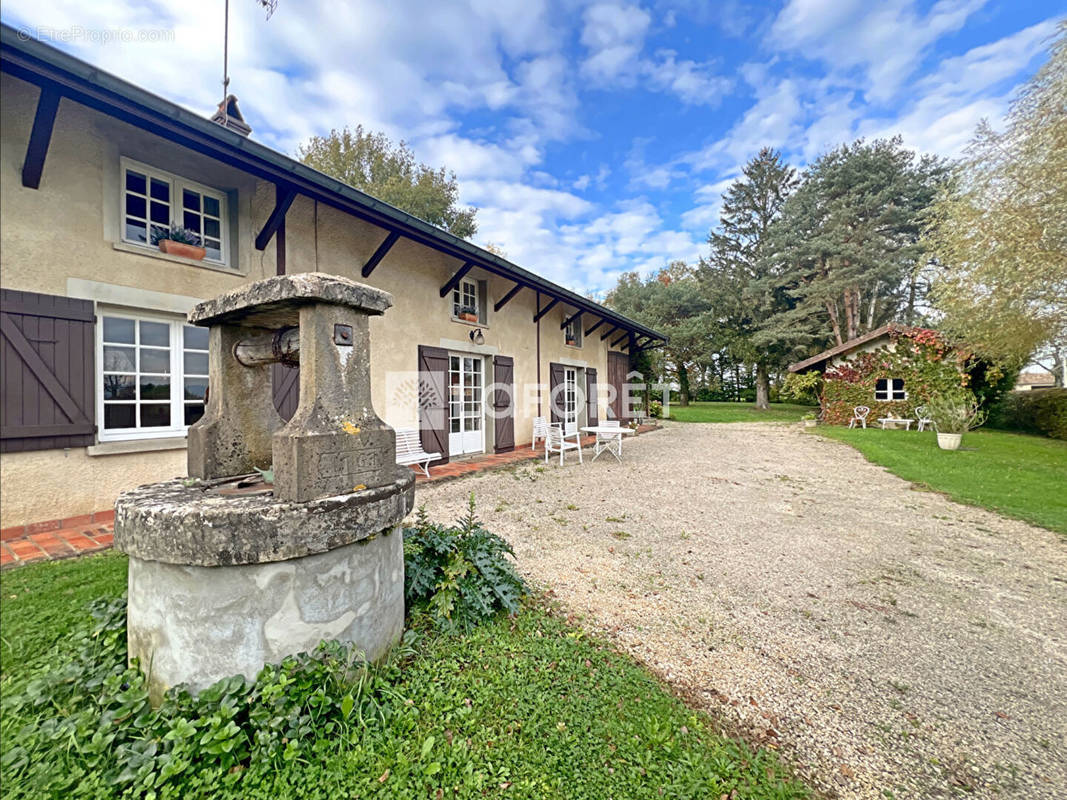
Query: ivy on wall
[{"x": 921, "y": 357}]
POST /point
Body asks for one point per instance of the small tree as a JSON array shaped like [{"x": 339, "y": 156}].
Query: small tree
[{"x": 371, "y": 163}]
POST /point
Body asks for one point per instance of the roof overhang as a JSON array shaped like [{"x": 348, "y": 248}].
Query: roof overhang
[
  {"x": 840, "y": 349},
  {"x": 49, "y": 68}
]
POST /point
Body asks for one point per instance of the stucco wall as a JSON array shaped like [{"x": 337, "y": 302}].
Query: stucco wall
[{"x": 68, "y": 229}]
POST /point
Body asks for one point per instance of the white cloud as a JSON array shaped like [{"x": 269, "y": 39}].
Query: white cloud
[
  {"x": 885, "y": 40},
  {"x": 614, "y": 36}
]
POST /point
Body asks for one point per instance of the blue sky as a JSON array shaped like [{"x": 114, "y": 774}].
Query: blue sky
[{"x": 594, "y": 138}]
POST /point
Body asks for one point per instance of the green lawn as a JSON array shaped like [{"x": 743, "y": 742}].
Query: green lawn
[
  {"x": 738, "y": 412},
  {"x": 525, "y": 707},
  {"x": 1016, "y": 475}
]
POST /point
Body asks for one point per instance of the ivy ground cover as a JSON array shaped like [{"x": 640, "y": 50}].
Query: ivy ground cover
[
  {"x": 523, "y": 706},
  {"x": 1013, "y": 474},
  {"x": 738, "y": 412}
]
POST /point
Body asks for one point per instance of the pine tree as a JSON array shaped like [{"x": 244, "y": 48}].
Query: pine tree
[
  {"x": 739, "y": 281},
  {"x": 847, "y": 242}
]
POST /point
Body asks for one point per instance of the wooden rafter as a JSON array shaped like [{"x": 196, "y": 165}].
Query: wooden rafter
[
  {"x": 379, "y": 254},
  {"x": 546, "y": 309},
  {"x": 40, "y": 137},
  {"x": 453, "y": 282},
  {"x": 503, "y": 301},
  {"x": 283, "y": 198}
]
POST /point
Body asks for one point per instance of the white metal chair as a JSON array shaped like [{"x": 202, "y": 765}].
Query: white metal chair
[
  {"x": 922, "y": 413},
  {"x": 409, "y": 450},
  {"x": 859, "y": 414},
  {"x": 540, "y": 431},
  {"x": 559, "y": 442},
  {"x": 612, "y": 442}
]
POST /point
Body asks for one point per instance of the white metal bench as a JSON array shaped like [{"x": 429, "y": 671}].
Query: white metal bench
[{"x": 409, "y": 450}]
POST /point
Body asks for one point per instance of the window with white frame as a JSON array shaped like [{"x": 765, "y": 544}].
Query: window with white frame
[
  {"x": 890, "y": 389},
  {"x": 465, "y": 299},
  {"x": 572, "y": 334},
  {"x": 152, "y": 376},
  {"x": 153, "y": 200}
]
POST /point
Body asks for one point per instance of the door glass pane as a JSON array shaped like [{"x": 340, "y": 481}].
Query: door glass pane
[
  {"x": 155, "y": 334},
  {"x": 119, "y": 416},
  {"x": 155, "y": 415},
  {"x": 155, "y": 361},
  {"x": 195, "y": 338},
  {"x": 195, "y": 363},
  {"x": 193, "y": 412},
  {"x": 119, "y": 387},
  {"x": 155, "y": 388},
  {"x": 118, "y": 330},
  {"x": 119, "y": 359},
  {"x": 195, "y": 388}
]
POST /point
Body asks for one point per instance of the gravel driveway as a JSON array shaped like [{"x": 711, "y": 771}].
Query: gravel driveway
[{"x": 890, "y": 642}]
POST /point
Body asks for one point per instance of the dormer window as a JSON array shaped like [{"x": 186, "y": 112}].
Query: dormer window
[
  {"x": 886, "y": 389},
  {"x": 465, "y": 301},
  {"x": 154, "y": 200},
  {"x": 572, "y": 334}
]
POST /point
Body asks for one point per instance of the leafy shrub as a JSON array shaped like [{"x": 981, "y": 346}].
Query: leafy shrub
[
  {"x": 1041, "y": 411},
  {"x": 655, "y": 409},
  {"x": 461, "y": 574},
  {"x": 802, "y": 387},
  {"x": 93, "y": 732},
  {"x": 955, "y": 411}
]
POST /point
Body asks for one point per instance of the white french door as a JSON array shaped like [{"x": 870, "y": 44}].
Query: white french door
[
  {"x": 570, "y": 400},
  {"x": 466, "y": 411}
]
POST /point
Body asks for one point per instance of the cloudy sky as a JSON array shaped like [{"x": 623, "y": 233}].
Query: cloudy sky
[{"x": 594, "y": 138}]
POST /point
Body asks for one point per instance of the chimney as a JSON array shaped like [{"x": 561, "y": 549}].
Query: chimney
[{"x": 229, "y": 116}]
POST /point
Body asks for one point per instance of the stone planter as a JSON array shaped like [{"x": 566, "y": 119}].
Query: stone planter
[
  {"x": 467, "y": 317},
  {"x": 810, "y": 423},
  {"x": 170, "y": 247},
  {"x": 949, "y": 441}
]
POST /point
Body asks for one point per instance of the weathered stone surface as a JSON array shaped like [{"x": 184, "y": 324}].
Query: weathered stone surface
[
  {"x": 177, "y": 523},
  {"x": 197, "y": 625},
  {"x": 234, "y": 435},
  {"x": 274, "y": 302},
  {"x": 334, "y": 441}
]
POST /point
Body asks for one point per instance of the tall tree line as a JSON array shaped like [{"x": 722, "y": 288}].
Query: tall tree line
[{"x": 797, "y": 262}]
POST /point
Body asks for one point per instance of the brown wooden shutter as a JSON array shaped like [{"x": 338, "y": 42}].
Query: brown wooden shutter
[
  {"x": 591, "y": 413},
  {"x": 555, "y": 378},
  {"x": 433, "y": 401},
  {"x": 618, "y": 365},
  {"x": 285, "y": 382},
  {"x": 504, "y": 403},
  {"x": 47, "y": 352}
]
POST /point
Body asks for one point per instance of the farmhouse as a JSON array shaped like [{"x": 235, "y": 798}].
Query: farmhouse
[{"x": 101, "y": 373}]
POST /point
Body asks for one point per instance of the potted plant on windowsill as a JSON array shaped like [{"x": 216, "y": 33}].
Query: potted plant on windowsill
[
  {"x": 810, "y": 420},
  {"x": 571, "y": 341},
  {"x": 178, "y": 241},
  {"x": 468, "y": 314},
  {"x": 954, "y": 413}
]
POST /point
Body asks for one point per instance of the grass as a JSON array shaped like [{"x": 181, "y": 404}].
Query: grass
[
  {"x": 1013, "y": 474},
  {"x": 738, "y": 412},
  {"x": 521, "y": 707}
]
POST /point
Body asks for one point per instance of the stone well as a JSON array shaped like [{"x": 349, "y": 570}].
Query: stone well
[{"x": 228, "y": 572}]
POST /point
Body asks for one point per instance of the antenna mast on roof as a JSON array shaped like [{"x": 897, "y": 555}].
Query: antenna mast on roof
[{"x": 224, "y": 114}]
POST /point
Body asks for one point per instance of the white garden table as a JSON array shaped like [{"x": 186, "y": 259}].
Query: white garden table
[
  {"x": 895, "y": 422},
  {"x": 608, "y": 438}
]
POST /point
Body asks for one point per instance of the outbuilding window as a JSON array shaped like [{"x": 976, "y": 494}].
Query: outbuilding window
[
  {"x": 889, "y": 389},
  {"x": 153, "y": 200},
  {"x": 152, "y": 376}
]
